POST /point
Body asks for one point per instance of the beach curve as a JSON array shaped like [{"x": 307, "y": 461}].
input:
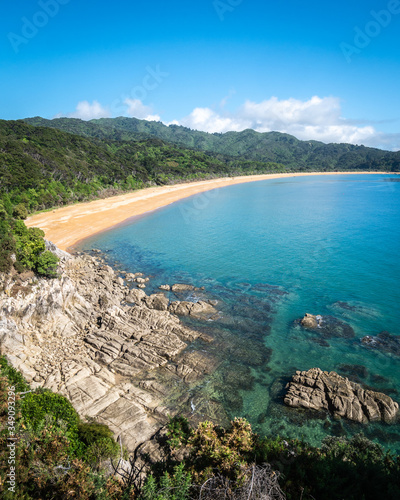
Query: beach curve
[{"x": 66, "y": 226}]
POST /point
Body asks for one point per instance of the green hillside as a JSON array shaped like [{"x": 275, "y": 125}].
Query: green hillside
[
  {"x": 43, "y": 167},
  {"x": 248, "y": 144}
]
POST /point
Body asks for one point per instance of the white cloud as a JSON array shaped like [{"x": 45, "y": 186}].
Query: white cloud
[
  {"x": 139, "y": 110},
  {"x": 86, "y": 111},
  {"x": 207, "y": 120},
  {"x": 317, "y": 118}
]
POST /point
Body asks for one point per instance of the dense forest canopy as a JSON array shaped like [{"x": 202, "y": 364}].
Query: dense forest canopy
[
  {"x": 42, "y": 167},
  {"x": 248, "y": 144}
]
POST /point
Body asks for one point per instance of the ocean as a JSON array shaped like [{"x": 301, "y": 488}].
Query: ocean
[{"x": 269, "y": 252}]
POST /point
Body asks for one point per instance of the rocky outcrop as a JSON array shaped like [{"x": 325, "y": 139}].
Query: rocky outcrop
[
  {"x": 310, "y": 321},
  {"x": 90, "y": 337},
  {"x": 200, "y": 309},
  {"x": 319, "y": 390},
  {"x": 327, "y": 326}
]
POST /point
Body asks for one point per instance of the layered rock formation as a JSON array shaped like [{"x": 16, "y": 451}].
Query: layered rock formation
[
  {"x": 319, "y": 390},
  {"x": 88, "y": 336}
]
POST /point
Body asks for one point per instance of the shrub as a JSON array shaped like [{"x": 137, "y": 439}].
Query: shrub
[
  {"x": 89, "y": 433},
  {"x": 20, "y": 211},
  {"x": 29, "y": 244},
  {"x": 14, "y": 377},
  {"x": 46, "y": 264},
  {"x": 100, "y": 450},
  {"x": 99, "y": 442},
  {"x": 7, "y": 246},
  {"x": 169, "y": 487},
  {"x": 44, "y": 402},
  {"x": 45, "y": 405},
  {"x": 19, "y": 267},
  {"x": 178, "y": 431},
  {"x": 224, "y": 450}
]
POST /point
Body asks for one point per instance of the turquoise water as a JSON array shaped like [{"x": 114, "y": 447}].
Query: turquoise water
[{"x": 269, "y": 252}]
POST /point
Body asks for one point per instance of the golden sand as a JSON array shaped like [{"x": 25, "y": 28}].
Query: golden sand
[{"x": 68, "y": 225}]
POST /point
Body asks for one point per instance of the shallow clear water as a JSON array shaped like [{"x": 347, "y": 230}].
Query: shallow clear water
[{"x": 271, "y": 251}]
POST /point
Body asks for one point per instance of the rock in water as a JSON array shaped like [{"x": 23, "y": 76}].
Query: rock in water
[
  {"x": 328, "y": 326},
  {"x": 319, "y": 390},
  {"x": 309, "y": 321},
  {"x": 198, "y": 309},
  {"x": 181, "y": 287},
  {"x": 384, "y": 342}
]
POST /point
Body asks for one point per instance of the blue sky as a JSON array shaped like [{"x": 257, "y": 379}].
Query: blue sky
[{"x": 317, "y": 71}]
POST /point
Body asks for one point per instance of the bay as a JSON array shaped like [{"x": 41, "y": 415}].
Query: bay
[{"x": 270, "y": 251}]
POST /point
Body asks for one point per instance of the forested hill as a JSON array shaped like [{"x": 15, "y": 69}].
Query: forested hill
[
  {"x": 248, "y": 144},
  {"x": 42, "y": 167}
]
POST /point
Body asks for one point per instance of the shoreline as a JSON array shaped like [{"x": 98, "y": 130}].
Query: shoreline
[{"x": 67, "y": 226}]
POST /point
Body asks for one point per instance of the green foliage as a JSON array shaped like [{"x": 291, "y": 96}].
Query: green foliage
[
  {"x": 13, "y": 376},
  {"x": 89, "y": 433},
  {"x": 45, "y": 467},
  {"x": 7, "y": 246},
  {"x": 20, "y": 211},
  {"x": 249, "y": 145},
  {"x": 227, "y": 451},
  {"x": 169, "y": 487},
  {"x": 99, "y": 442},
  {"x": 28, "y": 247},
  {"x": 46, "y": 264},
  {"x": 178, "y": 431},
  {"x": 29, "y": 244},
  {"x": 353, "y": 468},
  {"x": 44, "y": 405},
  {"x": 100, "y": 450}
]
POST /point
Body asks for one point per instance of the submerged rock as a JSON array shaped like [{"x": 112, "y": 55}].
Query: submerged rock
[
  {"x": 327, "y": 326},
  {"x": 384, "y": 342},
  {"x": 181, "y": 287},
  {"x": 354, "y": 371},
  {"x": 319, "y": 390}
]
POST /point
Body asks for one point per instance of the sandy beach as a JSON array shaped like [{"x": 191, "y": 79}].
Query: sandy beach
[{"x": 67, "y": 226}]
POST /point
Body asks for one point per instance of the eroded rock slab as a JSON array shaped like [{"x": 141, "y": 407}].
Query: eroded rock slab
[
  {"x": 319, "y": 390},
  {"x": 91, "y": 338}
]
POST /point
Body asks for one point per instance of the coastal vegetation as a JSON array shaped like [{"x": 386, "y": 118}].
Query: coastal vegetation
[
  {"x": 50, "y": 163},
  {"x": 249, "y": 145},
  {"x": 24, "y": 249},
  {"x": 42, "y": 168},
  {"x": 57, "y": 455}
]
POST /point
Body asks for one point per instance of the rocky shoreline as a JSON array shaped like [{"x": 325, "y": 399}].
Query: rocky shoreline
[
  {"x": 92, "y": 338},
  {"x": 125, "y": 359}
]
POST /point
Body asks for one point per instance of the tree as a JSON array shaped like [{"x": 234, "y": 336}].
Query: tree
[
  {"x": 20, "y": 211},
  {"x": 47, "y": 264},
  {"x": 29, "y": 244}
]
